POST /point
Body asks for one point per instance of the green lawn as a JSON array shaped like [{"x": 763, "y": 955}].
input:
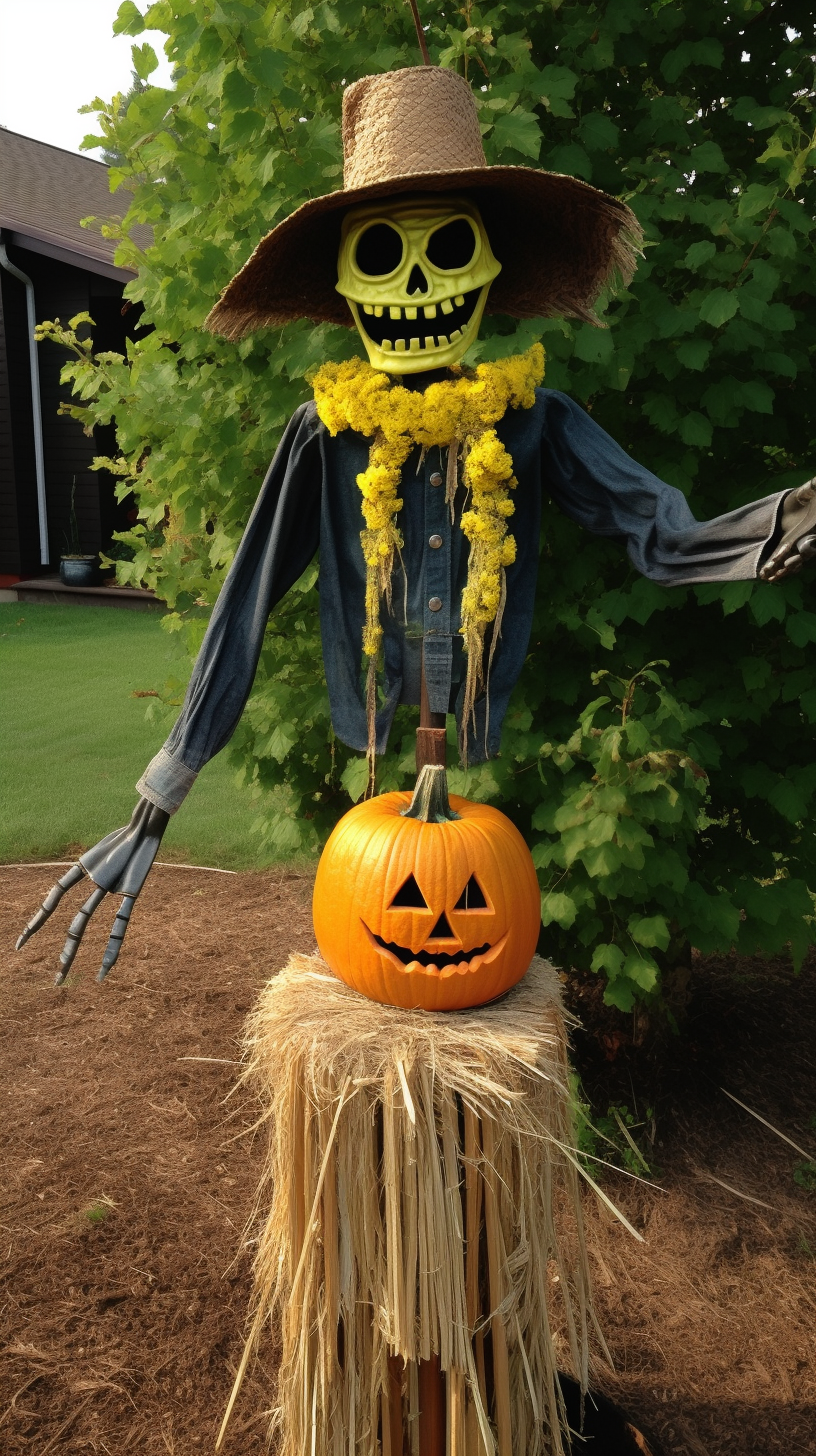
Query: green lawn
[{"x": 75, "y": 739}]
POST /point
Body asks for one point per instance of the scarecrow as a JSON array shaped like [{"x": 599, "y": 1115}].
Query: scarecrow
[
  {"x": 445, "y": 464},
  {"x": 384, "y": 1278}
]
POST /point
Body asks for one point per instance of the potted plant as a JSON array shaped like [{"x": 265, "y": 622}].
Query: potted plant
[{"x": 76, "y": 567}]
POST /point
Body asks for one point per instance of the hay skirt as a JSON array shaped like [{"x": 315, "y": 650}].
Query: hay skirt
[{"x": 423, "y": 1213}]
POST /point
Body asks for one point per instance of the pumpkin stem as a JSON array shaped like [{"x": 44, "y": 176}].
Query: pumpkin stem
[{"x": 430, "y": 802}]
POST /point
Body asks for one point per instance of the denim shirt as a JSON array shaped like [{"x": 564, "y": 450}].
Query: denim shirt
[{"x": 310, "y": 498}]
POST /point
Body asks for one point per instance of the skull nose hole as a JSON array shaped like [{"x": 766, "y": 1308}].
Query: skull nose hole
[
  {"x": 417, "y": 283},
  {"x": 442, "y": 930}
]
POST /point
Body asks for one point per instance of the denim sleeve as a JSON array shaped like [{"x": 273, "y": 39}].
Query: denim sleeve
[
  {"x": 594, "y": 482},
  {"x": 280, "y": 540}
]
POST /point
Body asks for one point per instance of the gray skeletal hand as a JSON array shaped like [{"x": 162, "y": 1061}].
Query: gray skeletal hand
[
  {"x": 797, "y": 542},
  {"x": 119, "y": 864}
]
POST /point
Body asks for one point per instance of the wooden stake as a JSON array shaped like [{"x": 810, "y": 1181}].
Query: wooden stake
[
  {"x": 413, "y": 1409},
  {"x": 420, "y": 33},
  {"x": 431, "y": 738},
  {"x": 394, "y": 1442},
  {"x": 432, "y": 1408},
  {"x": 495, "y": 1260}
]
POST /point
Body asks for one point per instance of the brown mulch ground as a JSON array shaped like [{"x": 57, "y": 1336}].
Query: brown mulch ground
[{"x": 129, "y": 1176}]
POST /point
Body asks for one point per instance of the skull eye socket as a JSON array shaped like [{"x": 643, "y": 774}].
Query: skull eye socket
[
  {"x": 409, "y": 897},
  {"x": 379, "y": 250},
  {"x": 452, "y": 246},
  {"x": 472, "y": 897}
]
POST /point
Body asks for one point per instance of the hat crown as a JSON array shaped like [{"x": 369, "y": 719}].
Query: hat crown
[{"x": 416, "y": 121}]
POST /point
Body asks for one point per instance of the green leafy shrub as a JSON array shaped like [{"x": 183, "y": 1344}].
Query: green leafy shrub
[
  {"x": 613, "y": 1139},
  {"x": 621, "y": 1140},
  {"x": 804, "y": 1174},
  {"x": 688, "y": 817}
]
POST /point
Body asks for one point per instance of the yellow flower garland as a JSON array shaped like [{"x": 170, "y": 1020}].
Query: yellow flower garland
[{"x": 458, "y": 413}]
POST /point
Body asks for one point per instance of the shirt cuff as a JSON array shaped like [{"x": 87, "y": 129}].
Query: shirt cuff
[{"x": 166, "y": 782}]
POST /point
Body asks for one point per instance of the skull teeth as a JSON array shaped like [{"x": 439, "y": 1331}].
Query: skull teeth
[
  {"x": 416, "y": 345},
  {"x": 457, "y": 311},
  {"x": 411, "y": 311}
]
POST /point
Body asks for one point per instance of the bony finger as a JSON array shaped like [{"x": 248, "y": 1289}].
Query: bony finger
[
  {"x": 50, "y": 903},
  {"x": 807, "y": 547},
  {"x": 76, "y": 930},
  {"x": 771, "y": 568},
  {"x": 117, "y": 935}
]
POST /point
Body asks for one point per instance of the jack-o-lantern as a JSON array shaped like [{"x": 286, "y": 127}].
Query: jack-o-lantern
[{"x": 427, "y": 902}]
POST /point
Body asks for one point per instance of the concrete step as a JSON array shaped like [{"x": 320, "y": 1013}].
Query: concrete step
[{"x": 51, "y": 589}]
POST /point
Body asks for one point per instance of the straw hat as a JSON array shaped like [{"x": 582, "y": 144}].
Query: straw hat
[{"x": 559, "y": 241}]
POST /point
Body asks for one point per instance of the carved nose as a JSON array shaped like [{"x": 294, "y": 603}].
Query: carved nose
[
  {"x": 417, "y": 283},
  {"x": 442, "y": 930}
]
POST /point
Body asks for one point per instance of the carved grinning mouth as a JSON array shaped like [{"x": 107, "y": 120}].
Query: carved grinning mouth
[
  {"x": 435, "y": 960},
  {"x": 420, "y": 326}
]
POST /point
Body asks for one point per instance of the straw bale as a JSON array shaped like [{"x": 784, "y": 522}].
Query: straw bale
[{"x": 384, "y": 1124}]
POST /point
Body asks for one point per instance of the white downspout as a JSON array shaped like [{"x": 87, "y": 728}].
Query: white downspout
[{"x": 36, "y": 405}]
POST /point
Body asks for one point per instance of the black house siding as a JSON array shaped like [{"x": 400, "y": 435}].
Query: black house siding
[
  {"x": 19, "y": 532},
  {"x": 60, "y": 291},
  {"x": 9, "y": 527}
]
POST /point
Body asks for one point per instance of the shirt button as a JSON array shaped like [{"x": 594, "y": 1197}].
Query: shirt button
[
  {"x": 435, "y": 604},
  {"x": 436, "y": 478},
  {"x": 435, "y": 542}
]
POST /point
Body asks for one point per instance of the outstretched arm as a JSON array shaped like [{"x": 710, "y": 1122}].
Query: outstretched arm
[
  {"x": 597, "y": 484},
  {"x": 279, "y": 542},
  {"x": 797, "y": 541}
]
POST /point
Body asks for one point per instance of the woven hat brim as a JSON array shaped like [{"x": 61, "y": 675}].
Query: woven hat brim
[{"x": 559, "y": 241}]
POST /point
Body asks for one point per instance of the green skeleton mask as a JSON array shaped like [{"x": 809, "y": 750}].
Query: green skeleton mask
[{"x": 416, "y": 274}]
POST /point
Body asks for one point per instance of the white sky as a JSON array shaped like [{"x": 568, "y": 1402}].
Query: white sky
[{"x": 57, "y": 55}]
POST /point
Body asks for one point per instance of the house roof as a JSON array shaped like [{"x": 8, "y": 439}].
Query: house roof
[{"x": 44, "y": 194}]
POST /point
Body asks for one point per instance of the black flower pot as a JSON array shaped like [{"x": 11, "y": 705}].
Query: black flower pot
[{"x": 78, "y": 570}]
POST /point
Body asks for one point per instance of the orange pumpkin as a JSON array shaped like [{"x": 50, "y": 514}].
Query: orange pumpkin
[{"x": 425, "y": 901}]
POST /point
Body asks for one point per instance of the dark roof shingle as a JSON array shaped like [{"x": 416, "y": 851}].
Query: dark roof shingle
[{"x": 45, "y": 192}]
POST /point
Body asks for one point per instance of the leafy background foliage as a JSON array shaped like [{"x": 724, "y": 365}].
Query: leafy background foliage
[{"x": 657, "y": 753}]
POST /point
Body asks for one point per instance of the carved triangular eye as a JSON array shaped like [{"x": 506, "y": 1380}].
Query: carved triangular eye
[
  {"x": 409, "y": 897},
  {"x": 472, "y": 897}
]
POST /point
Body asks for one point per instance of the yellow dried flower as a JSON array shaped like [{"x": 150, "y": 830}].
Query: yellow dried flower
[{"x": 458, "y": 413}]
